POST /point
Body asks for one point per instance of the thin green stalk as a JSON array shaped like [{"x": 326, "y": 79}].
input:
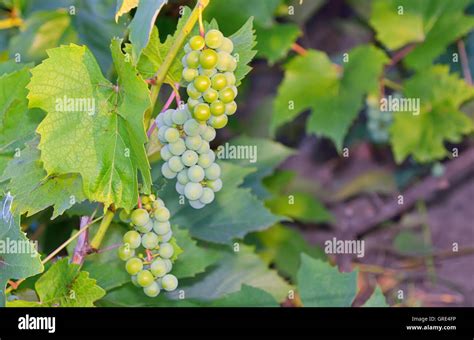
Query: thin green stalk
[{"x": 104, "y": 226}]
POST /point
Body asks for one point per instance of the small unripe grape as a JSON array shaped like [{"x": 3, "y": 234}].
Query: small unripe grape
[
  {"x": 209, "y": 133},
  {"x": 194, "y": 142},
  {"x": 189, "y": 74},
  {"x": 192, "y": 59},
  {"x": 180, "y": 117},
  {"x": 230, "y": 108},
  {"x": 208, "y": 59},
  {"x": 215, "y": 185},
  {"x": 175, "y": 164},
  {"x": 177, "y": 148},
  {"x": 161, "y": 135},
  {"x": 162, "y": 214},
  {"x": 217, "y": 108},
  {"x": 189, "y": 158},
  {"x": 166, "y": 237},
  {"x": 124, "y": 216},
  {"x": 213, "y": 172},
  {"x": 125, "y": 252},
  {"x": 132, "y": 238},
  {"x": 210, "y": 95},
  {"x": 196, "y": 174},
  {"x": 169, "y": 265},
  {"x": 165, "y": 153},
  {"x": 150, "y": 240},
  {"x": 169, "y": 282},
  {"x": 183, "y": 177},
  {"x": 192, "y": 91},
  {"x": 171, "y": 135},
  {"x": 226, "y": 95},
  {"x": 179, "y": 188},
  {"x": 193, "y": 191},
  {"x": 206, "y": 159},
  {"x": 230, "y": 77},
  {"x": 146, "y": 228},
  {"x": 219, "y": 81},
  {"x": 207, "y": 72},
  {"x": 202, "y": 112},
  {"x": 161, "y": 228},
  {"x": 202, "y": 83},
  {"x": 193, "y": 102},
  {"x": 203, "y": 148},
  {"x": 145, "y": 278},
  {"x": 223, "y": 61},
  {"x": 167, "y": 172},
  {"x": 140, "y": 217},
  {"x": 158, "y": 203},
  {"x": 197, "y": 43},
  {"x": 218, "y": 122},
  {"x": 234, "y": 88},
  {"x": 207, "y": 196},
  {"x": 153, "y": 290},
  {"x": 134, "y": 281},
  {"x": 159, "y": 120},
  {"x": 167, "y": 117},
  {"x": 166, "y": 250},
  {"x": 196, "y": 204},
  {"x": 134, "y": 265},
  {"x": 191, "y": 127},
  {"x": 159, "y": 268},
  {"x": 232, "y": 64},
  {"x": 214, "y": 38},
  {"x": 227, "y": 45}
]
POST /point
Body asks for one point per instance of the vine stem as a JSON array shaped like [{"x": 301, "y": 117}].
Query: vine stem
[
  {"x": 464, "y": 62},
  {"x": 104, "y": 226},
  {"x": 299, "y": 49}
]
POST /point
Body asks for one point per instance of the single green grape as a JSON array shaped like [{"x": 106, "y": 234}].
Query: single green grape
[
  {"x": 150, "y": 240},
  {"x": 223, "y": 61},
  {"x": 210, "y": 95},
  {"x": 193, "y": 92},
  {"x": 167, "y": 172},
  {"x": 215, "y": 185},
  {"x": 175, "y": 164},
  {"x": 125, "y": 252},
  {"x": 196, "y": 204},
  {"x": 204, "y": 147},
  {"x": 189, "y": 158},
  {"x": 193, "y": 142},
  {"x": 189, "y": 74},
  {"x": 202, "y": 83},
  {"x": 124, "y": 216},
  {"x": 177, "y": 148},
  {"x": 208, "y": 59},
  {"x": 140, "y": 217},
  {"x": 146, "y": 228},
  {"x": 202, "y": 112},
  {"x": 145, "y": 278},
  {"x": 134, "y": 265},
  {"x": 230, "y": 108},
  {"x": 193, "y": 191},
  {"x": 162, "y": 214},
  {"x": 218, "y": 122},
  {"x": 166, "y": 237},
  {"x": 166, "y": 250},
  {"x": 169, "y": 282},
  {"x": 153, "y": 290},
  {"x": 217, "y": 108},
  {"x": 179, "y": 188},
  {"x": 214, "y": 38},
  {"x": 165, "y": 153},
  {"x": 227, "y": 45},
  {"x": 132, "y": 238},
  {"x": 191, "y": 127},
  {"x": 180, "y": 116},
  {"x": 219, "y": 81},
  {"x": 226, "y": 95},
  {"x": 232, "y": 64},
  {"x": 213, "y": 172},
  {"x": 171, "y": 135},
  {"x": 161, "y": 228},
  {"x": 197, "y": 43},
  {"x": 206, "y": 159},
  {"x": 207, "y": 72},
  {"x": 183, "y": 177},
  {"x": 159, "y": 268},
  {"x": 208, "y": 134},
  {"x": 207, "y": 196},
  {"x": 196, "y": 174},
  {"x": 193, "y": 58},
  {"x": 230, "y": 77},
  {"x": 193, "y": 102}
]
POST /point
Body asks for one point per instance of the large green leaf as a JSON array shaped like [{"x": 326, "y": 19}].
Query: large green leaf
[
  {"x": 64, "y": 285},
  {"x": 106, "y": 146},
  {"x": 312, "y": 82},
  {"x": 19, "y": 258},
  {"x": 275, "y": 42},
  {"x": 34, "y": 191},
  {"x": 124, "y": 6},
  {"x": 321, "y": 285},
  {"x": 247, "y": 296},
  {"x": 244, "y": 41},
  {"x": 440, "y": 120},
  {"x": 377, "y": 299}
]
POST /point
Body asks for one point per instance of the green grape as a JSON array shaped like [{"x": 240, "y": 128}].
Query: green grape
[
  {"x": 196, "y": 174},
  {"x": 207, "y": 72},
  {"x": 202, "y": 83},
  {"x": 166, "y": 250},
  {"x": 171, "y": 135},
  {"x": 153, "y": 290},
  {"x": 134, "y": 281},
  {"x": 223, "y": 61},
  {"x": 234, "y": 89},
  {"x": 146, "y": 228},
  {"x": 189, "y": 74},
  {"x": 189, "y": 158},
  {"x": 217, "y": 108},
  {"x": 207, "y": 196},
  {"x": 175, "y": 164},
  {"x": 180, "y": 116},
  {"x": 193, "y": 142},
  {"x": 145, "y": 278},
  {"x": 150, "y": 240},
  {"x": 159, "y": 268},
  {"x": 206, "y": 159},
  {"x": 161, "y": 228},
  {"x": 215, "y": 185},
  {"x": 219, "y": 81},
  {"x": 166, "y": 171},
  {"x": 166, "y": 237},
  {"x": 214, "y": 38},
  {"x": 162, "y": 214},
  {"x": 193, "y": 58},
  {"x": 197, "y": 43},
  {"x": 210, "y": 95},
  {"x": 196, "y": 204},
  {"x": 125, "y": 252},
  {"x": 226, "y": 95},
  {"x": 218, "y": 122},
  {"x": 208, "y": 133},
  {"x": 140, "y": 217},
  {"x": 230, "y": 77},
  {"x": 193, "y": 102},
  {"x": 187, "y": 48},
  {"x": 169, "y": 265},
  {"x": 165, "y": 153},
  {"x": 230, "y": 108},
  {"x": 208, "y": 59},
  {"x": 191, "y": 127},
  {"x": 193, "y": 191},
  {"x": 203, "y": 148},
  {"x": 132, "y": 238},
  {"x": 167, "y": 117},
  {"x": 161, "y": 135},
  {"x": 183, "y": 177},
  {"x": 202, "y": 112},
  {"x": 192, "y": 91},
  {"x": 134, "y": 265},
  {"x": 169, "y": 282},
  {"x": 213, "y": 172},
  {"x": 177, "y": 148},
  {"x": 179, "y": 188},
  {"x": 232, "y": 65},
  {"x": 124, "y": 216},
  {"x": 227, "y": 45}
]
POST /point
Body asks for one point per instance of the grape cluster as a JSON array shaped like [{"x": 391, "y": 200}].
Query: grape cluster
[
  {"x": 209, "y": 73},
  {"x": 188, "y": 156},
  {"x": 378, "y": 122},
  {"x": 147, "y": 249}
]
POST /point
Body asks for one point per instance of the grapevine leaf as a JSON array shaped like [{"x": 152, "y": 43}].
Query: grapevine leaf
[
  {"x": 34, "y": 191},
  {"x": 142, "y": 24},
  {"x": 124, "y": 6},
  {"x": 377, "y": 299},
  {"x": 244, "y": 41},
  {"x": 64, "y": 285},
  {"x": 334, "y": 102},
  {"x": 275, "y": 42},
  {"x": 248, "y": 296},
  {"x": 234, "y": 213},
  {"x": 19, "y": 263},
  {"x": 231, "y": 272},
  {"x": 321, "y": 285},
  {"x": 194, "y": 259},
  {"x": 423, "y": 135},
  {"x": 106, "y": 145}
]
